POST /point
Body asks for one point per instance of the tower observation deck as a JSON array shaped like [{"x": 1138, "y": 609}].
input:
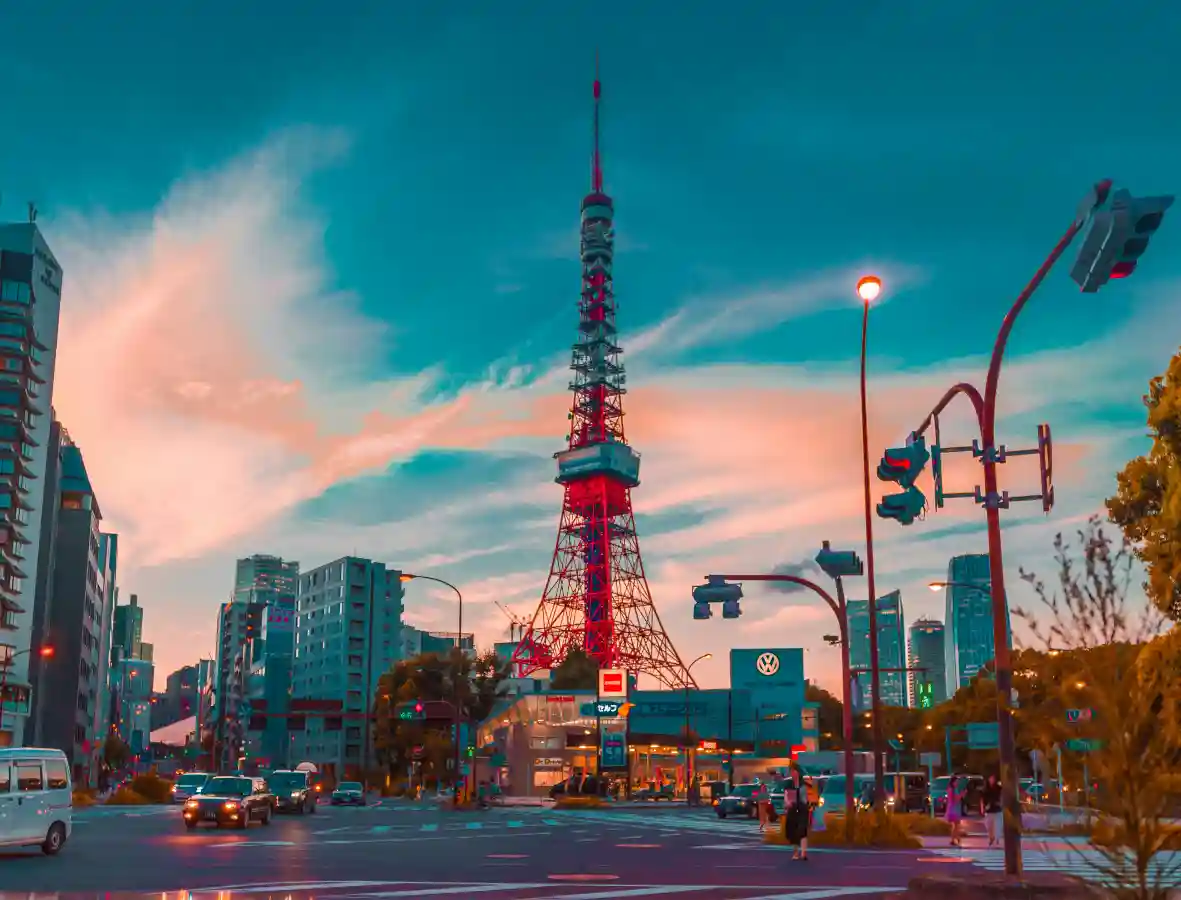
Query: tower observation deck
[{"x": 596, "y": 597}]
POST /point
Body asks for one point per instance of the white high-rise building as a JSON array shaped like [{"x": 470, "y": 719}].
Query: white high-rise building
[{"x": 30, "y": 303}]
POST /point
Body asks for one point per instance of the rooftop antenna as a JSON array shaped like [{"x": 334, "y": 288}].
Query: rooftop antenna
[
  {"x": 33, "y": 211},
  {"x": 597, "y": 169}
]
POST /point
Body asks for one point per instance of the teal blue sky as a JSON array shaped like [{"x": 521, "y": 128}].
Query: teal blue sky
[{"x": 367, "y": 213}]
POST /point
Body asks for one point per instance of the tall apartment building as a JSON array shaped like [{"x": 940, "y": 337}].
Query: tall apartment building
[
  {"x": 30, "y": 302},
  {"x": 178, "y": 700},
  {"x": 75, "y": 621},
  {"x": 237, "y": 624},
  {"x": 927, "y": 660},
  {"x": 348, "y": 632},
  {"x": 969, "y": 645},
  {"x": 265, "y": 579},
  {"x": 891, "y": 649},
  {"x": 108, "y": 558},
  {"x": 133, "y": 679},
  {"x": 264, "y": 671},
  {"x": 43, "y": 593},
  {"x": 128, "y": 631}
]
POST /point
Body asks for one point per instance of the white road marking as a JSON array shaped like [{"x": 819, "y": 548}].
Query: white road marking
[
  {"x": 646, "y": 891},
  {"x": 460, "y": 889},
  {"x": 827, "y": 892},
  {"x": 254, "y": 844}
]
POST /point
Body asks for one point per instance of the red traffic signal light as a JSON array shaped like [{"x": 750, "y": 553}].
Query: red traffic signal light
[
  {"x": 1118, "y": 237},
  {"x": 903, "y": 464},
  {"x": 418, "y": 707}
]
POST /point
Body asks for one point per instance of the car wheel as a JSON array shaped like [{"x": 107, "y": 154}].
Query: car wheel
[
  {"x": 190, "y": 825},
  {"x": 244, "y": 822},
  {"x": 55, "y": 839},
  {"x": 721, "y": 815},
  {"x": 266, "y": 817}
]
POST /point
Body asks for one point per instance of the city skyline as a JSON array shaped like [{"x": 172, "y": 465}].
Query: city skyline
[{"x": 280, "y": 332}]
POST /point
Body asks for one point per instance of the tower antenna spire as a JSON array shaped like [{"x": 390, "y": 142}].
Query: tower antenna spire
[{"x": 597, "y": 165}]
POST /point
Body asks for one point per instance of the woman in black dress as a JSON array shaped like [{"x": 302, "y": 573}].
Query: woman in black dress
[{"x": 797, "y": 814}]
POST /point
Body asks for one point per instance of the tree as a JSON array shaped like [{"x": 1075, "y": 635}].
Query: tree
[
  {"x": 577, "y": 672},
  {"x": 829, "y": 717},
  {"x": 1147, "y": 504},
  {"x": 115, "y": 752},
  {"x": 1107, "y": 657},
  {"x": 475, "y": 685}
]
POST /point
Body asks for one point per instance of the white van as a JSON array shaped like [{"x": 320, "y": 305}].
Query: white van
[{"x": 36, "y": 798}]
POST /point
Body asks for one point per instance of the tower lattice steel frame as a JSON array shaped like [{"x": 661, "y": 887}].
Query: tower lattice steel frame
[{"x": 596, "y": 597}]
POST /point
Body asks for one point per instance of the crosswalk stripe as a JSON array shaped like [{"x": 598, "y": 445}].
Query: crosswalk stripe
[
  {"x": 475, "y": 825},
  {"x": 380, "y": 829},
  {"x": 514, "y": 824},
  {"x": 430, "y": 827}
]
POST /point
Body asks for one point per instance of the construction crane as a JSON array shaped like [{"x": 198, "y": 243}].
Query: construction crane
[{"x": 517, "y": 626}]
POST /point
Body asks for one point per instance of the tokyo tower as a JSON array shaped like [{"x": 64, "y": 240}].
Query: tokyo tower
[{"x": 596, "y": 597}]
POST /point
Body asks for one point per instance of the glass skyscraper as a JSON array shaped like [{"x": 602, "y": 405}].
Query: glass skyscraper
[
  {"x": 928, "y": 658},
  {"x": 891, "y": 650},
  {"x": 969, "y": 644}
]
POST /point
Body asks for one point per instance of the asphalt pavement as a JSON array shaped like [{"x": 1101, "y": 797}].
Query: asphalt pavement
[{"x": 395, "y": 850}]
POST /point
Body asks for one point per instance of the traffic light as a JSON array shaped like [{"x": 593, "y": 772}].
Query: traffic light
[
  {"x": 716, "y": 590},
  {"x": 1118, "y": 237},
  {"x": 411, "y": 712},
  {"x": 904, "y": 507},
  {"x": 903, "y": 465},
  {"x": 839, "y": 563},
  {"x": 926, "y": 695}
]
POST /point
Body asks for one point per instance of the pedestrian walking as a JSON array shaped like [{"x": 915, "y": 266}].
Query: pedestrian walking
[
  {"x": 991, "y": 807},
  {"x": 954, "y": 814},
  {"x": 762, "y": 800},
  {"x": 797, "y": 814}
]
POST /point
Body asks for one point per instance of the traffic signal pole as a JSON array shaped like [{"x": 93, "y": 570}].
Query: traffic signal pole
[
  {"x": 838, "y": 608},
  {"x": 993, "y": 499}
]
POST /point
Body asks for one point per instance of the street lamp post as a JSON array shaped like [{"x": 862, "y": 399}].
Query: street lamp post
[
  {"x": 406, "y": 576},
  {"x": 688, "y": 752},
  {"x": 868, "y": 289},
  {"x": 46, "y": 652}
]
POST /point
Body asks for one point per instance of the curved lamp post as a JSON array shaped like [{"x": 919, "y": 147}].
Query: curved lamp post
[
  {"x": 406, "y": 576},
  {"x": 869, "y": 289},
  {"x": 688, "y": 754}
]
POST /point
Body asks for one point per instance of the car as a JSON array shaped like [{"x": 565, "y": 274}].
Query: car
[
  {"x": 293, "y": 791},
  {"x": 230, "y": 800},
  {"x": 349, "y": 793},
  {"x": 189, "y": 785},
  {"x": 743, "y": 800},
  {"x": 36, "y": 799}
]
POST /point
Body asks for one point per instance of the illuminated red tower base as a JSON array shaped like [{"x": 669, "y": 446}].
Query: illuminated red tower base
[{"x": 596, "y": 597}]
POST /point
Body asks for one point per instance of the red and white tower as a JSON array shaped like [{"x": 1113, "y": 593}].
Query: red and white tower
[{"x": 597, "y": 597}]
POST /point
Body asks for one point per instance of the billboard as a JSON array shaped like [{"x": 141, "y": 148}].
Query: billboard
[
  {"x": 712, "y": 714},
  {"x": 612, "y": 684},
  {"x": 774, "y": 678}
]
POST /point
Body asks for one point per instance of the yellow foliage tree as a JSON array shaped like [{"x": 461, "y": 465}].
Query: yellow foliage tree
[
  {"x": 1147, "y": 504},
  {"x": 1106, "y": 656}
]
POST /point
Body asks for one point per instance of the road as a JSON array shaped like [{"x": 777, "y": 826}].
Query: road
[{"x": 395, "y": 850}]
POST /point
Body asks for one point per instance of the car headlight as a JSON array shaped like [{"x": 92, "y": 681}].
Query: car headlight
[
  {"x": 230, "y": 806},
  {"x": 174, "y": 789},
  {"x": 295, "y": 796},
  {"x": 191, "y": 804}
]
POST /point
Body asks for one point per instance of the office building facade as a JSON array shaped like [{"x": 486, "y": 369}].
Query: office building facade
[
  {"x": 415, "y": 641},
  {"x": 30, "y": 302},
  {"x": 969, "y": 646},
  {"x": 927, "y": 661},
  {"x": 265, "y": 579},
  {"x": 891, "y": 650},
  {"x": 75, "y": 624},
  {"x": 127, "y": 634},
  {"x": 43, "y": 593},
  {"x": 348, "y": 632},
  {"x": 133, "y": 679}
]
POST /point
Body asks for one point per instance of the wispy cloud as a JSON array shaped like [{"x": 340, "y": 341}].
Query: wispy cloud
[{"x": 209, "y": 370}]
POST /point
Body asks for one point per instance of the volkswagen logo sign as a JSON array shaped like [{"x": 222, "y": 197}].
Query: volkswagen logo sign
[{"x": 767, "y": 663}]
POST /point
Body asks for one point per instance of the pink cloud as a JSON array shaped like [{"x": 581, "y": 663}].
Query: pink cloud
[{"x": 185, "y": 372}]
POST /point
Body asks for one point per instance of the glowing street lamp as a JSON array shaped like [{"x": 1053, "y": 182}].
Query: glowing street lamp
[{"x": 869, "y": 288}]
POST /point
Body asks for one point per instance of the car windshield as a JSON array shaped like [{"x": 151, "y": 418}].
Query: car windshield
[
  {"x": 238, "y": 787},
  {"x": 287, "y": 781},
  {"x": 745, "y": 790},
  {"x": 191, "y": 780},
  {"x": 350, "y": 785}
]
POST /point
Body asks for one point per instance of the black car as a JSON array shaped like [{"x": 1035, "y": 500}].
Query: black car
[
  {"x": 293, "y": 791},
  {"x": 742, "y": 801},
  {"x": 232, "y": 800}
]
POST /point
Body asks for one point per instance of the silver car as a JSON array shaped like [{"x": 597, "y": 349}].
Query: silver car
[
  {"x": 189, "y": 785},
  {"x": 349, "y": 793}
]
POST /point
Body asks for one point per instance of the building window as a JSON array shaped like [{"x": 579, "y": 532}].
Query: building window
[{"x": 15, "y": 292}]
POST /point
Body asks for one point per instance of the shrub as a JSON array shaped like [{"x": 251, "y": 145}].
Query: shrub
[
  {"x": 578, "y": 802},
  {"x": 870, "y": 829},
  {"x": 125, "y": 796},
  {"x": 152, "y": 788},
  {"x": 918, "y": 824},
  {"x": 83, "y": 798}
]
